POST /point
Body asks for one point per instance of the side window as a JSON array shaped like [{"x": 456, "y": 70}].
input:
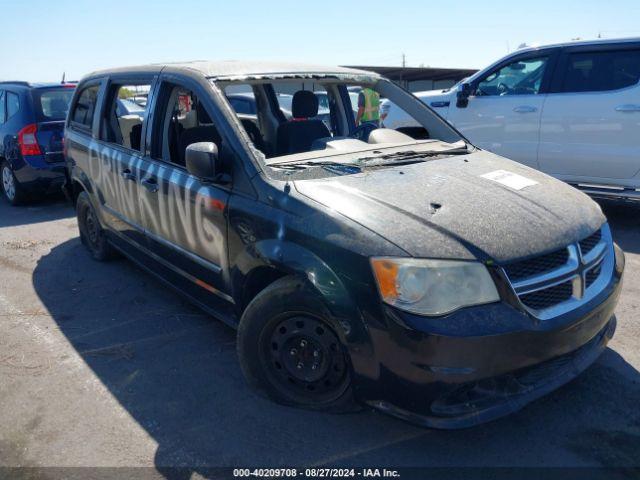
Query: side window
[
  {"x": 242, "y": 105},
  {"x": 522, "y": 77},
  {"x": 124, "y": 114},
  {"x": 601, "y": 71},
  {"x": 181, "y": 120},
  {"x": 13, "y": 104},
  {"x": 83, "y": 110},
  {"x": 2, "y": 114}
]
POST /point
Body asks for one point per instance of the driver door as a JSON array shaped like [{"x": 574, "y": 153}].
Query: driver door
[
  {"x": 184, "y": 216},
  {"x": 504, "y": 111}
]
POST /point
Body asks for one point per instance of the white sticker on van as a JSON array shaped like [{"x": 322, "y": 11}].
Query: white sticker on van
[{"x": 511, "y": 180}]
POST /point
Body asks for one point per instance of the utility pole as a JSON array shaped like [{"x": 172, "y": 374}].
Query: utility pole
[{"x": 404, "y": 60}]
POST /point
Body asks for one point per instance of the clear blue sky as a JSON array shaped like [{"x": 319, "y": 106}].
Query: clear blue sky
[{"x": 39, "y": 39}]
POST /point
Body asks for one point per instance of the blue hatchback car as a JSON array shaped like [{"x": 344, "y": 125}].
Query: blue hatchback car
[{"x": 31, "y": 138}]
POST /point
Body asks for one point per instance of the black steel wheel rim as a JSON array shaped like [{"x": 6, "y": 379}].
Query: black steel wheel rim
[
  {"x": 305, "y": 358},
  {"x": 91, "y": 226}
]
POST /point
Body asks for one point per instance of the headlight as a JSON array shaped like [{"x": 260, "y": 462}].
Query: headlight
[{"x": 433, "y": 287}]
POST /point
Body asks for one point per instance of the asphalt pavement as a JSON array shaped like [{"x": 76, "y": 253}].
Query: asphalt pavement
[{"x": 101, "y": 365}]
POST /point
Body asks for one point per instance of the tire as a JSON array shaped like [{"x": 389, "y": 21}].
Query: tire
[
  {"x": 91, "y": 233},
  {"x": 11, "y": 188},
  {"x": 289, "y": 352}
]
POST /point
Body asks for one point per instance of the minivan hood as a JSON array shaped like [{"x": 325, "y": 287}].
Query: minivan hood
[{"x": 443, "y": 208}]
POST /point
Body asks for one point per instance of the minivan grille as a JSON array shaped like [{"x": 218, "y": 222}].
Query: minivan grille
[
  {"x": 537, "y": 265},
  {"x": 555, "y": 282},
  {"x": 590, "y": 242},
  {"x": 592, "y": 275},
  {"x": 548, "y": 297}
]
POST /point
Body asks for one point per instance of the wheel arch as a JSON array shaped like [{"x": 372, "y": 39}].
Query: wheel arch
[
  {"x": 273, "y": 259},
  {"x": 78, "y": 183}
]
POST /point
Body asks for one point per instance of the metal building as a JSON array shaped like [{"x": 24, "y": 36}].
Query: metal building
[{"x": 417, "y": 79}]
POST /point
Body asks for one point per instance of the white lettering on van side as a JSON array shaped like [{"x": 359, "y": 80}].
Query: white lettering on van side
[{"x": 182, "y": 211}]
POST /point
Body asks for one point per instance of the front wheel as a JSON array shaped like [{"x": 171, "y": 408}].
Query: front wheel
[
  {"x": 290, "y": 353},
  {"x": 10, "y": 186}
]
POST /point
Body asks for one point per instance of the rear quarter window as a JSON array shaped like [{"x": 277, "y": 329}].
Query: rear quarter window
[
  {"x": 52, "y": 104},
  {"x": 13, "y": 104},
  {"x": 601, "y": 71},
  {"x": 84, "y": 108}
]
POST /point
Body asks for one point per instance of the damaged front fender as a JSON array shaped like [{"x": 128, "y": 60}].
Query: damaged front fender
[{"x": 292, "y": 259}]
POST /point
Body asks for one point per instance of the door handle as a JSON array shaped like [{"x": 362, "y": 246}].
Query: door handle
[
  {"x": 127, "y": 175},
  {"x": 525, "y": 109},
  {"x": 150, "y": 184},
  {"x": 628, "y": 108}
]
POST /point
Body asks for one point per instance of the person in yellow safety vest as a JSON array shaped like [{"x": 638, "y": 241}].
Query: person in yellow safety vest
[{"x": 368, "y": 107}]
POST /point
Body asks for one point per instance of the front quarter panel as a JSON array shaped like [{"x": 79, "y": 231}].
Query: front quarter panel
[{"x": 282, "y": 231}]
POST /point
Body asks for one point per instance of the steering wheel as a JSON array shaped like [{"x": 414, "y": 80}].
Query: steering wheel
[
  {"x": 503, "y": 88},
  {"x": 363, "y": 131}
]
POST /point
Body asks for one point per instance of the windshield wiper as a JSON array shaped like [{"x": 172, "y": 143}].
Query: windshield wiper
[
  {"x": 397, "y": 157},
  {"x": 412, "y": 154},
  {"x": 310, "y": 163}
]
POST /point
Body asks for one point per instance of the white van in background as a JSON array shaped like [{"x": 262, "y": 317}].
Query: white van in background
[{"x": 570, "y": 110}]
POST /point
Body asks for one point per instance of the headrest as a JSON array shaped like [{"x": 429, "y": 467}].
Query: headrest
[
  {"x": 203, "y": 116},
  {"x": 304, "y": 104}
]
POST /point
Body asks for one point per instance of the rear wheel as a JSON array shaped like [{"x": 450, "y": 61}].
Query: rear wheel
[
  {"x": 11, "y": 188},
  {"x": 91, "y": 233},
  {"x": 290, "y": 353}
]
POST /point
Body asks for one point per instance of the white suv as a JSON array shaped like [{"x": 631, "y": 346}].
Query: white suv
[{"x": 571, "y": 110}]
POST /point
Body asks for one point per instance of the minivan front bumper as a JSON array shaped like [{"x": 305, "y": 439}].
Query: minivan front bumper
[{"x": 481, "y": 363}]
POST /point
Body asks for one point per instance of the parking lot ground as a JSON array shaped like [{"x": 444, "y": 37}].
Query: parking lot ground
[{"x": 101, "y": 365}]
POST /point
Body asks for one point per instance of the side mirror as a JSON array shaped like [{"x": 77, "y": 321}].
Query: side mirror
[
  {"x": 201, "y": 159},
  {"x": 463, "y": 94}
]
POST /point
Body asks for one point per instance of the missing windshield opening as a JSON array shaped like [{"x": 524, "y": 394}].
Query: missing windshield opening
[{"x": 299, "y": 118}]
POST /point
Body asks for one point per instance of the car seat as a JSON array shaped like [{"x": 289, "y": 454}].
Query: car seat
[{"x": 298, "y": 134}]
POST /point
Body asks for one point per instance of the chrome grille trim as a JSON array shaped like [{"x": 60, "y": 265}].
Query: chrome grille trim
[
  {"x": 531, "y": 267},
  {"x": 551, "y": 277},
  {"x": 579, "y": 269}
]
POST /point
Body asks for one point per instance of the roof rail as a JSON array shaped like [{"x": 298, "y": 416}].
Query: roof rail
[{"x": 16, "y": 82}]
